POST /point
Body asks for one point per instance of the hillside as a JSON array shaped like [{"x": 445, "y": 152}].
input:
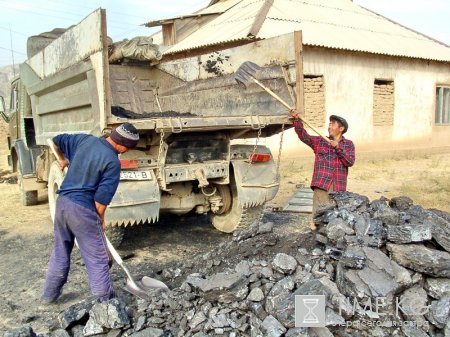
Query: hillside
[{"x": 6, "y": 76}]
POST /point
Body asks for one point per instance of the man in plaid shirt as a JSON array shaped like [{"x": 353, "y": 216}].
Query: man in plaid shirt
[{"x": 332, "y": 159}]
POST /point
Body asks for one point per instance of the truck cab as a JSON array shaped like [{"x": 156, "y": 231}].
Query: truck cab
[{"x": 23, "y": 151}]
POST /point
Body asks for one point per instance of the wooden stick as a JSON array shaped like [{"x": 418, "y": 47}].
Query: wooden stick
[{"x": 279, "y": 99}]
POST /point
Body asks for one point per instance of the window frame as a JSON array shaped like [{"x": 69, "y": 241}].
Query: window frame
[
  {"x": 439, "y": 115},
  {"x": 14, "y": 98}
]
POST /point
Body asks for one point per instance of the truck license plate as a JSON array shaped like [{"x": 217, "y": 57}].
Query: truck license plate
[{"x": 135, "y": 175}]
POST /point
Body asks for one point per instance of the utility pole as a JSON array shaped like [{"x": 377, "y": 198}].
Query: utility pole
[{"x": 12, "y": 51}]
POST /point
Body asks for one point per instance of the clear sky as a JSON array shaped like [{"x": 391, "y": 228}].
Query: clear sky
[{"x": 23, "y": 18}]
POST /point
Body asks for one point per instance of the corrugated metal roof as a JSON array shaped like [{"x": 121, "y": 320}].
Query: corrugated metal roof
[
  {"x": 339, "y": 24},
  {"x": 221, "y": 7},
  {"x": 232, "y": 25},
  {"x": 160, "y": 22},
  {"x": 217, "y": 8}
]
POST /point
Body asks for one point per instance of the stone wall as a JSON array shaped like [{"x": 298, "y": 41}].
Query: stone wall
[
  {"x": 383, "y": 103},
  {"x": 314, "y": 100}
]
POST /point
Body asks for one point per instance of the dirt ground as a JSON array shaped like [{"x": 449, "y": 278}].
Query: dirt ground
[
  {"x": 26, "y": 242},
  {"x": 422, "y": 174},
  {"x": 26, "y": 232}
]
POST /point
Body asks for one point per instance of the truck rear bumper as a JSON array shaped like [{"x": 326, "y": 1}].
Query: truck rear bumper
[{"x": 134, "y": 202}]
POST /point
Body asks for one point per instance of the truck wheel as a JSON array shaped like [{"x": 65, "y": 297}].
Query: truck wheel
[
  {"x": 237, "y": 217},
  {"x": 28, "y": 198},
  {"x": 55, "y": 179},
  {"x": 115, "y": 235}
]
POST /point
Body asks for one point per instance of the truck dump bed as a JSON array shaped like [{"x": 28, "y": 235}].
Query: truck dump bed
[{"x": 74, "y": 89}]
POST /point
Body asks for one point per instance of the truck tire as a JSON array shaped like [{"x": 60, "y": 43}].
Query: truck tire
[
  {"x": 28, "y": 198},
  {"x": 115, "y": 235},
  {"x": 238, "y": 217},
  {"x": 55, "y": 179}
]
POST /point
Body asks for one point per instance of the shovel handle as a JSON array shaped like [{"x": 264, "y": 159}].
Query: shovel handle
[
  {"x": 116, "y": 257},
  {"x": 279, "y": 99},
  {"x": 113, "y": 252}
]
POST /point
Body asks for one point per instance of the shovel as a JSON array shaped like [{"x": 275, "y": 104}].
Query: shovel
[
  {"x": 246, "y": 75},
  {"x": 137, "y": 288}
]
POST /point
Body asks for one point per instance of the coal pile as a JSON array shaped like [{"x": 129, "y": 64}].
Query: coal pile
[
  {"x": 124, "y": 113},
  {"x": 382, "y": 266}
]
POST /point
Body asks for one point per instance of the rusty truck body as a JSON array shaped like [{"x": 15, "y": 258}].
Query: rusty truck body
[{"x": 190, "y": 114}]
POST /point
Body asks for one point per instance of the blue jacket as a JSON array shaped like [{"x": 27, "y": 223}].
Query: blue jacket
[{"x": 94, "y": 169}]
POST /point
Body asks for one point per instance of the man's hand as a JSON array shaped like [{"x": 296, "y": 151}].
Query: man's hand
[
  {"x": 63, "y": 163},
  {"x": 334, "y": 144},
  {"x": 293, "y": 112},
  {"x": 101, "y": 209}
]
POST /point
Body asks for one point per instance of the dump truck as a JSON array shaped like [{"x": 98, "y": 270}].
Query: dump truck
[{"x": 193, "y": 118}]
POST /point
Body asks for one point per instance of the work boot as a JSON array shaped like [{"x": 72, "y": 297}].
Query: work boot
[
  {"x": 47, "y": 305},
  {"x": 49, "y": 300}
]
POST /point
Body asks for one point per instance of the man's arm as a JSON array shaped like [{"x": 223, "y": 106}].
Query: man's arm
[
  {"x": 311, "y": 141},
  {"x": 106, "y": 190},
  {"x": 62, "y": 160},
  {"x": 67, "y": 145},
  {"x": 346, "y": 153},
  {"x": 101, "y": 209}
]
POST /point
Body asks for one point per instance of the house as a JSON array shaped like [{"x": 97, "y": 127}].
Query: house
[{"x": 390, "y": 82}]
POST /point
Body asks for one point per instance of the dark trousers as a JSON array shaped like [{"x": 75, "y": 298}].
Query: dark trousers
[
  {"x": 75, "y": 221},
  {"x": 320, "y": 197}
]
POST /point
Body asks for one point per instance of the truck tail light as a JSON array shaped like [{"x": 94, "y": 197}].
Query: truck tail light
[
  {"x": 259, "y": 157},
  {"x": 128, "y": 164}
]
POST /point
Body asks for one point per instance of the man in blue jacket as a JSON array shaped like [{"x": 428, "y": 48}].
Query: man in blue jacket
[{"x": 88, "y": 188}]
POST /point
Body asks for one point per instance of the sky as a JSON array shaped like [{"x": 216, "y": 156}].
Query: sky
[{"x": 23, "y": 18}]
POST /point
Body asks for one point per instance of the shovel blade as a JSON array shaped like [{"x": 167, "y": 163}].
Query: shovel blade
[
  {"x": 136, "y": 290},
  {"x": 242, "y": 79},
  {"x": 245, "y": 73},
  {"x": 250, "y": 68},
  {"x": 141, "y": 288},
  {"x": 151, "y": 283}
]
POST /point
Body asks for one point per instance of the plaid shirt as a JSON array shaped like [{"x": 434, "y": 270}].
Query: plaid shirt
[{"x": 331, "y": 165}]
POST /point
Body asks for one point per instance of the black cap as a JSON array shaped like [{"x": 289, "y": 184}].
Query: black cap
[{"x": 341, "y": 120}]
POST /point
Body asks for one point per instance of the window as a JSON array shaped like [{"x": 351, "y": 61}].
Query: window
[
  {"x": 442, "y": 105},
  {"x": 383, "y": 103},
  {"x": 13, "y": 104}
]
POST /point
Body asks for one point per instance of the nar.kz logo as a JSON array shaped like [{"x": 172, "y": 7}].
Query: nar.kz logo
[{"x": 309, "y": 311}]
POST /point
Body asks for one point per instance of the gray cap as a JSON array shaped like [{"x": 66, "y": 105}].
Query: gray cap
[{"x": 341, "y": 120}]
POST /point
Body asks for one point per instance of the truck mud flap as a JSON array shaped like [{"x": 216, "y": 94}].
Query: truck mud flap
[
  {"x": 255, "y": 184},
  {"x": 24, "y": 155},
  {"x": 134, "y": 202}
]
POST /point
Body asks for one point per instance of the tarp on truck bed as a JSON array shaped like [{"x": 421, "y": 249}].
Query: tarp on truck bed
[{"x": 140, "y": 48}]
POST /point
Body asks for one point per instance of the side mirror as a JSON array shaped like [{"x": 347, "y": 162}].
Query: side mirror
[{"x": 3, "y": 110}]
